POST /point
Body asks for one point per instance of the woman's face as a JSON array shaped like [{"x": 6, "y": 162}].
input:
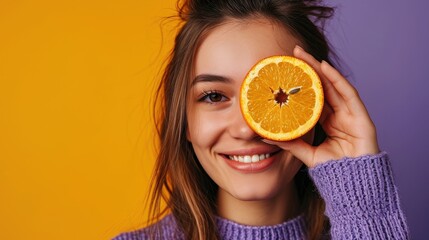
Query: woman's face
[{"x": 216, "y": 128}]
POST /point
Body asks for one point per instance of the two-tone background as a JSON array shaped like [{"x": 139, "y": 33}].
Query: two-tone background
[{"x": 76, "y": 85}]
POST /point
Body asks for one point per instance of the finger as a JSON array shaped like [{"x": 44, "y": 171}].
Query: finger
[
  {"x": 348, "y": 93},
  {"x": 297, "y": 147},
  {"x": 300, "y": 53},
  {"x": 331, "y": 94}
]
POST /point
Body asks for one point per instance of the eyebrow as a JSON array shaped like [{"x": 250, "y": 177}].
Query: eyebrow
[{"x": 210, "y": 78}]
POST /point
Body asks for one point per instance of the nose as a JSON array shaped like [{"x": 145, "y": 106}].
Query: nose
[{"x": 238, "y": 127}]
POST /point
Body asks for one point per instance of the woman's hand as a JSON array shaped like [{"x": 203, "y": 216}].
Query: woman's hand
[{"x": 350, "y": 131}]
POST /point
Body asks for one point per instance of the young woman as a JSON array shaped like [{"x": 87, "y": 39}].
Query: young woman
[{"x": 332, "y": 183}]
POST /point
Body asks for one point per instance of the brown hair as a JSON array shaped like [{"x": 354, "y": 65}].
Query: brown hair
[{"x": 178, "y": 177}]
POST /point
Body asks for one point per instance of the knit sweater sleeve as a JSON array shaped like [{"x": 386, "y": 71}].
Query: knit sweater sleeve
[
  {"x": 361, "y": 198},
  {"x": 166, "y": 228}
]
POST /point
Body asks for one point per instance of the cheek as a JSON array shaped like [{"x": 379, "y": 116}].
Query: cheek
[
  {"x": 291, "y": 166},
  {"x": 204, "y": 131},
  {"x": 203, "y": 128}
]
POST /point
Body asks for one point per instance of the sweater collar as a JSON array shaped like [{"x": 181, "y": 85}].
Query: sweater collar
[{"x": 291, "y": 229}]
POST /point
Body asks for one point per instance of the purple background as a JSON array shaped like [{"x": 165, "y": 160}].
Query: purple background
[{"x": 385, "y": 47}]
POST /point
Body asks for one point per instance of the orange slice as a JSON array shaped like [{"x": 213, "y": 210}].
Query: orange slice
[{"x": 281, "y": 98}]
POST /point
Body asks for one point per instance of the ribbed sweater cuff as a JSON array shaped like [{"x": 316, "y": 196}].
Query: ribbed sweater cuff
[
  {"x": 356, "y": 186},
  {"x": 360, "y": 192}
]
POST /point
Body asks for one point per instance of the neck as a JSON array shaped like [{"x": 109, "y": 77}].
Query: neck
[{"x": 272, "y": 211}]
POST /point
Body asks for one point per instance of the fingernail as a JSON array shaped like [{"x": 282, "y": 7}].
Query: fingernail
[
  {"x": 268, "y": 141},
  {"x": 323, "y": 61},
  {"x": 299, "y": 47}
]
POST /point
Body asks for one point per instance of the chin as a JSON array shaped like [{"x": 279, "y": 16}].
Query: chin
[{"x": 255, "y": 192}]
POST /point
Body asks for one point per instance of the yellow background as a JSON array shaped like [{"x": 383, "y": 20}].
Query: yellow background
[{"x": 76, "y": 137}]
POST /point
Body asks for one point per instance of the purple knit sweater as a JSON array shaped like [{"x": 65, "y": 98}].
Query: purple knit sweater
[{"x": 361, "y": 203}]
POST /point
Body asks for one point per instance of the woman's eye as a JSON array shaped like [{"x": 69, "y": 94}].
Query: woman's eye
[{"x": 213, "y": 97}]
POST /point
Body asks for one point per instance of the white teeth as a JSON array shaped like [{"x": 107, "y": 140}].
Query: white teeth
[{"x": 249, "y": 158}]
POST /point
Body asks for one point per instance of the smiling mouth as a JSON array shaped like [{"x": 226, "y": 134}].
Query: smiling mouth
[{"x": 250, "y": 158}]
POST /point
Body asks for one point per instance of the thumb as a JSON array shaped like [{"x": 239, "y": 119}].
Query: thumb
[{"x": 297, "y": 147}]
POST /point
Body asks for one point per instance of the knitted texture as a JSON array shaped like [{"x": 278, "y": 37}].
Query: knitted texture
[
  {"x": 361, "y": 198},
  {"x": 361, "y": 203},
  {"x": 164, "y": 229},
  {"x": 292, "y": 229}
]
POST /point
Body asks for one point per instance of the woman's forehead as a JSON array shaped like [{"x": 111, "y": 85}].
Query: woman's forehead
[{"x": 233, "y": 47}]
